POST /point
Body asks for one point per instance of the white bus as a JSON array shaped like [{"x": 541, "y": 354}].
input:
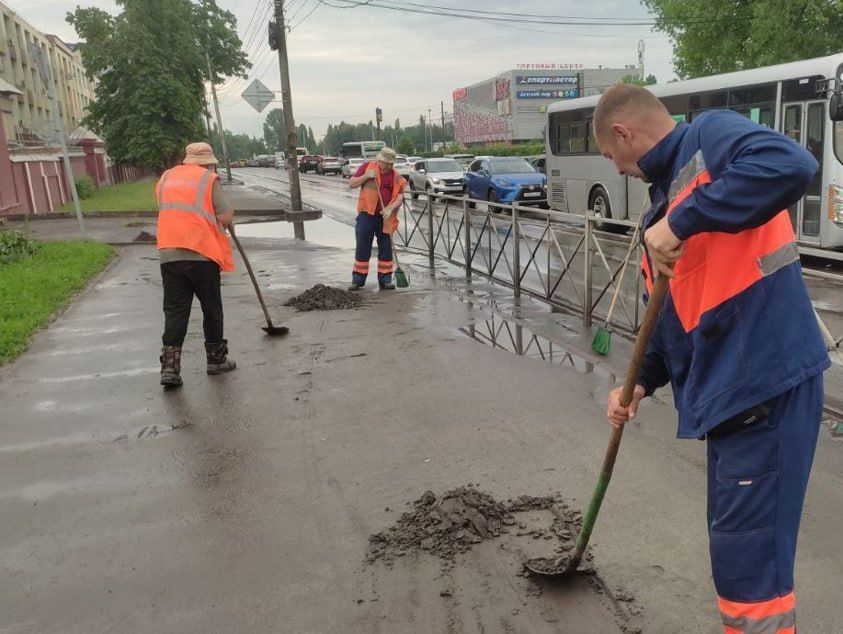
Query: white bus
[
  {"x": 791, "y": 98},
  {"x": 362, "y": 149}
]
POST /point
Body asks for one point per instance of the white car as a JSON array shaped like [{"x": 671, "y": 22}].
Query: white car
[
  {"x": 402, "y": 165},
  {"x": 437, "y": 176},
  {"x": 351, "y": 166}
]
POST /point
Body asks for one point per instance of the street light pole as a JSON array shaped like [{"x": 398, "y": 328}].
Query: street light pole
[
  {"x": 289, "y": 121},
  {"x": 220, "y": 129}
]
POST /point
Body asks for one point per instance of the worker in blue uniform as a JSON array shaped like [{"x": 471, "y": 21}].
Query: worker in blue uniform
[{"x": 736, "y": 336}]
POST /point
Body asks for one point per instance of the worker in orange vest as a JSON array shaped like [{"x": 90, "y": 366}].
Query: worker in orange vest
[
  {"x": 193, "y": 214},
  {"x": 381, "y": 194},
  {"x": 736, "y": 335}
]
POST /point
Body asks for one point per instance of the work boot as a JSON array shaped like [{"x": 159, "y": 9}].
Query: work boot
[
  {"x": 355, "y": 287},
  {"x": 388, "y": 286},
  {"x": 171, "y": 366},
  {"x": 217, "y": 354}
]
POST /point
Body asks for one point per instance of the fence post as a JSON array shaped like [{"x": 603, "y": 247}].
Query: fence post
[
  {"x": 587, "y": 273},
  {"x": 467, "y": 222},
  {"x": 516, "y": 252},
  {"x": 431, "y": 236}
]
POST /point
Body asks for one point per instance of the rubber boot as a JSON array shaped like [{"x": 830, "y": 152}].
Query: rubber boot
[
  {"x": 217, "y": 354},
  {"x": 171, "y": 366}
]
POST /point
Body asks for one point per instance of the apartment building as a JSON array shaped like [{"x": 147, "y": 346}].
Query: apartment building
[{"x": 28, "y": 117}]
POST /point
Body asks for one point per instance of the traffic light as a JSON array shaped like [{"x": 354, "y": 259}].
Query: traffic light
[
  {"x": 378, "y": 115},
  {"x": 273, "y": 35}
]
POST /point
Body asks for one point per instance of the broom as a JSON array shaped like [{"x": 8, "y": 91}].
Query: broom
[{"x": 602, "y": 341}]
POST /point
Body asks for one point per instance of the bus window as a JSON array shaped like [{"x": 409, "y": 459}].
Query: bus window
[
  {"x": 563, "y": 139},
  {"x": 811, "y": 212},
  {"x": 591, "y": 146},
  {"x": 706, "y": 100},
  {"x": 676, "y": 105},
  {"x": 578, "y": 138},
  {"x": 752, "y": 95}
]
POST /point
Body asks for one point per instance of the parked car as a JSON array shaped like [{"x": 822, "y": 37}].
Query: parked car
[
  {"x": 351, "y": 166},
  {"x": 436, "y": 176},
  {"x": 415, "y": 159},
  {"x": 402, "y": 165},
  {"x": 505, "y": 179},
  {"x": 538, "y": 164},
  {"x": 463, "y": 159},
  {"x": 308, "y": 163},
  {"x": 329, "y": 165}
]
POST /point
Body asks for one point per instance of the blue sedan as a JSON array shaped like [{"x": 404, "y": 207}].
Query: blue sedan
[{"x": 505, "y": 180}]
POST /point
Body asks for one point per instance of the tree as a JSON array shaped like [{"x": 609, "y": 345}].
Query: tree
[
  {"x": 405, "y": 146},
  {"x": 718, "y": 36},
  {"x": 636, "y": 80},
  {"x": 150, "y": 65},
  {"x": 273, "y": 129}
]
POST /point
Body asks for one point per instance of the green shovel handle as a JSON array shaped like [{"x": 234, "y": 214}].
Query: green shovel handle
[{"x": 644, "y": 333}]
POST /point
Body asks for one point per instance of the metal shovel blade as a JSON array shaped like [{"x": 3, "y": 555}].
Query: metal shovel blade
[
  {"x": 550, "y": 566},
  {"x": 274, "y": 331}
]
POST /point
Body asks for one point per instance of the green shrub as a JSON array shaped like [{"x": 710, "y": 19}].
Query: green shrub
[
  {"x": 85, "y": 187},
  {"x": 15, "y": 246}
]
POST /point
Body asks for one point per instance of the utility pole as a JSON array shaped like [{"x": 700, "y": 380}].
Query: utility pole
[
  {"x": 289, "y": 122},
  {"x": 430, "y": 128},
  {"x": 46, "y": 73},
  {"x": 220, "y": 129},
  {"x": 444, "y": 136},
  {"x": 378, "y": 119}
]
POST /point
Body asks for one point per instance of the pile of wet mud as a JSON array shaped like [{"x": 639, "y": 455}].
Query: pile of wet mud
[
  {"x": 144, "y": 236},
  {"x": 454, "y": 522},
  {"x": 322, "y": 297}
]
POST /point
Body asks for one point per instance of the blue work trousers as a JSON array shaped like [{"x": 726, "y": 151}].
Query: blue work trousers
[
  {"x": 369, "y": 227},
  {"x": 758, "y": 468}
]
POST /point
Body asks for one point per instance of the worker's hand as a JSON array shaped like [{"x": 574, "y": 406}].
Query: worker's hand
[
  {"x": 617, "y": 414},
  {"x": 663, "y": 246},
  {"x": 387, "y": 211},
  {"x": 370, "y": 174}
]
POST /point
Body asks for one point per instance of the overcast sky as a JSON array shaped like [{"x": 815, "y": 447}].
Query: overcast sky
[{"x": 345, "y": 62}]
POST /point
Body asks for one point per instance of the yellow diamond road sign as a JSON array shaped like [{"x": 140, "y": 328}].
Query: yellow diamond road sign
[{"x": 258, "y": 95}]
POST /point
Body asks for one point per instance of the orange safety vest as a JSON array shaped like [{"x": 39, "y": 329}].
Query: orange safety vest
[
  {"x": 717, "y": 266},
  {"x": 186, "y": 216},
  {"x": 369, "y": 199}
]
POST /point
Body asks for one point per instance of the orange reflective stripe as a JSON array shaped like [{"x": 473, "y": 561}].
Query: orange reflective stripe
[
  {"x": 648, "y": 274},
  {"x": 775, "y": 616},
  {"x": 384, "y": 267},
  {"x": 757, "y": 609},
  {"x": 360, "y": 267}
]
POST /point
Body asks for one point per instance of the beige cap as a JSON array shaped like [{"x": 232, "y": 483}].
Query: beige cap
[
  {"x": 199, "y": 154},
  {"x": 387, "y": 155}
]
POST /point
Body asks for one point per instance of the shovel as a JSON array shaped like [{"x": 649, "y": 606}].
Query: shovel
[
  {"x": 269, "y": 329},
  {"x": 559, "y": 566}
]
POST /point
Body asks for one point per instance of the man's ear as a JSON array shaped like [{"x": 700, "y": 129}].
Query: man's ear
[{"x": 621, "y": 133}]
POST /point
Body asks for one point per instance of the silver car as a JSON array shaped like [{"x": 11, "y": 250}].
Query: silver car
[
  {"x": 402, "y": 165},
  {"x": 437, "y": 176},
  {"x": 351, "y": 166}
]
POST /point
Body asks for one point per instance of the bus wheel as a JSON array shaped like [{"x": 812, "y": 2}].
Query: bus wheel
[{"x": 599, "y": 204}]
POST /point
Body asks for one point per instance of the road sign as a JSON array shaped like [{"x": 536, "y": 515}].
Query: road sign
[{"x": 258, "y": 95}]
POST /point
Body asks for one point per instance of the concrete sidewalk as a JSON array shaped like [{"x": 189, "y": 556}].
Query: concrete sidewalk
[{"x": 243, "y": 502}]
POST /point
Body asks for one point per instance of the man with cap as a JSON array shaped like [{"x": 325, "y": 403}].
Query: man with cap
[
  {"x": 193, "y": 214},
  {"x": 381, "y": 194}
]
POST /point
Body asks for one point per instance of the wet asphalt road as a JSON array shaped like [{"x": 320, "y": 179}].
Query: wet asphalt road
[{"x": 243, "y": 503}]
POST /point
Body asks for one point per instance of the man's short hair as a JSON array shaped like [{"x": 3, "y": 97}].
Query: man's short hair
[{"x": 623, "y": 99}]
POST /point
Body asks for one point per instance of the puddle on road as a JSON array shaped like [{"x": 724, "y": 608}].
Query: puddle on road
[
  {"x": 509, "y": 336},
  {"x": 326, "y": 232}
]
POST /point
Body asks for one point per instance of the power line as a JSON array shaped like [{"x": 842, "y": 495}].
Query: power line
[
  {"x": 491, "y": 17},
  {"x": 298, "y": 24}
]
